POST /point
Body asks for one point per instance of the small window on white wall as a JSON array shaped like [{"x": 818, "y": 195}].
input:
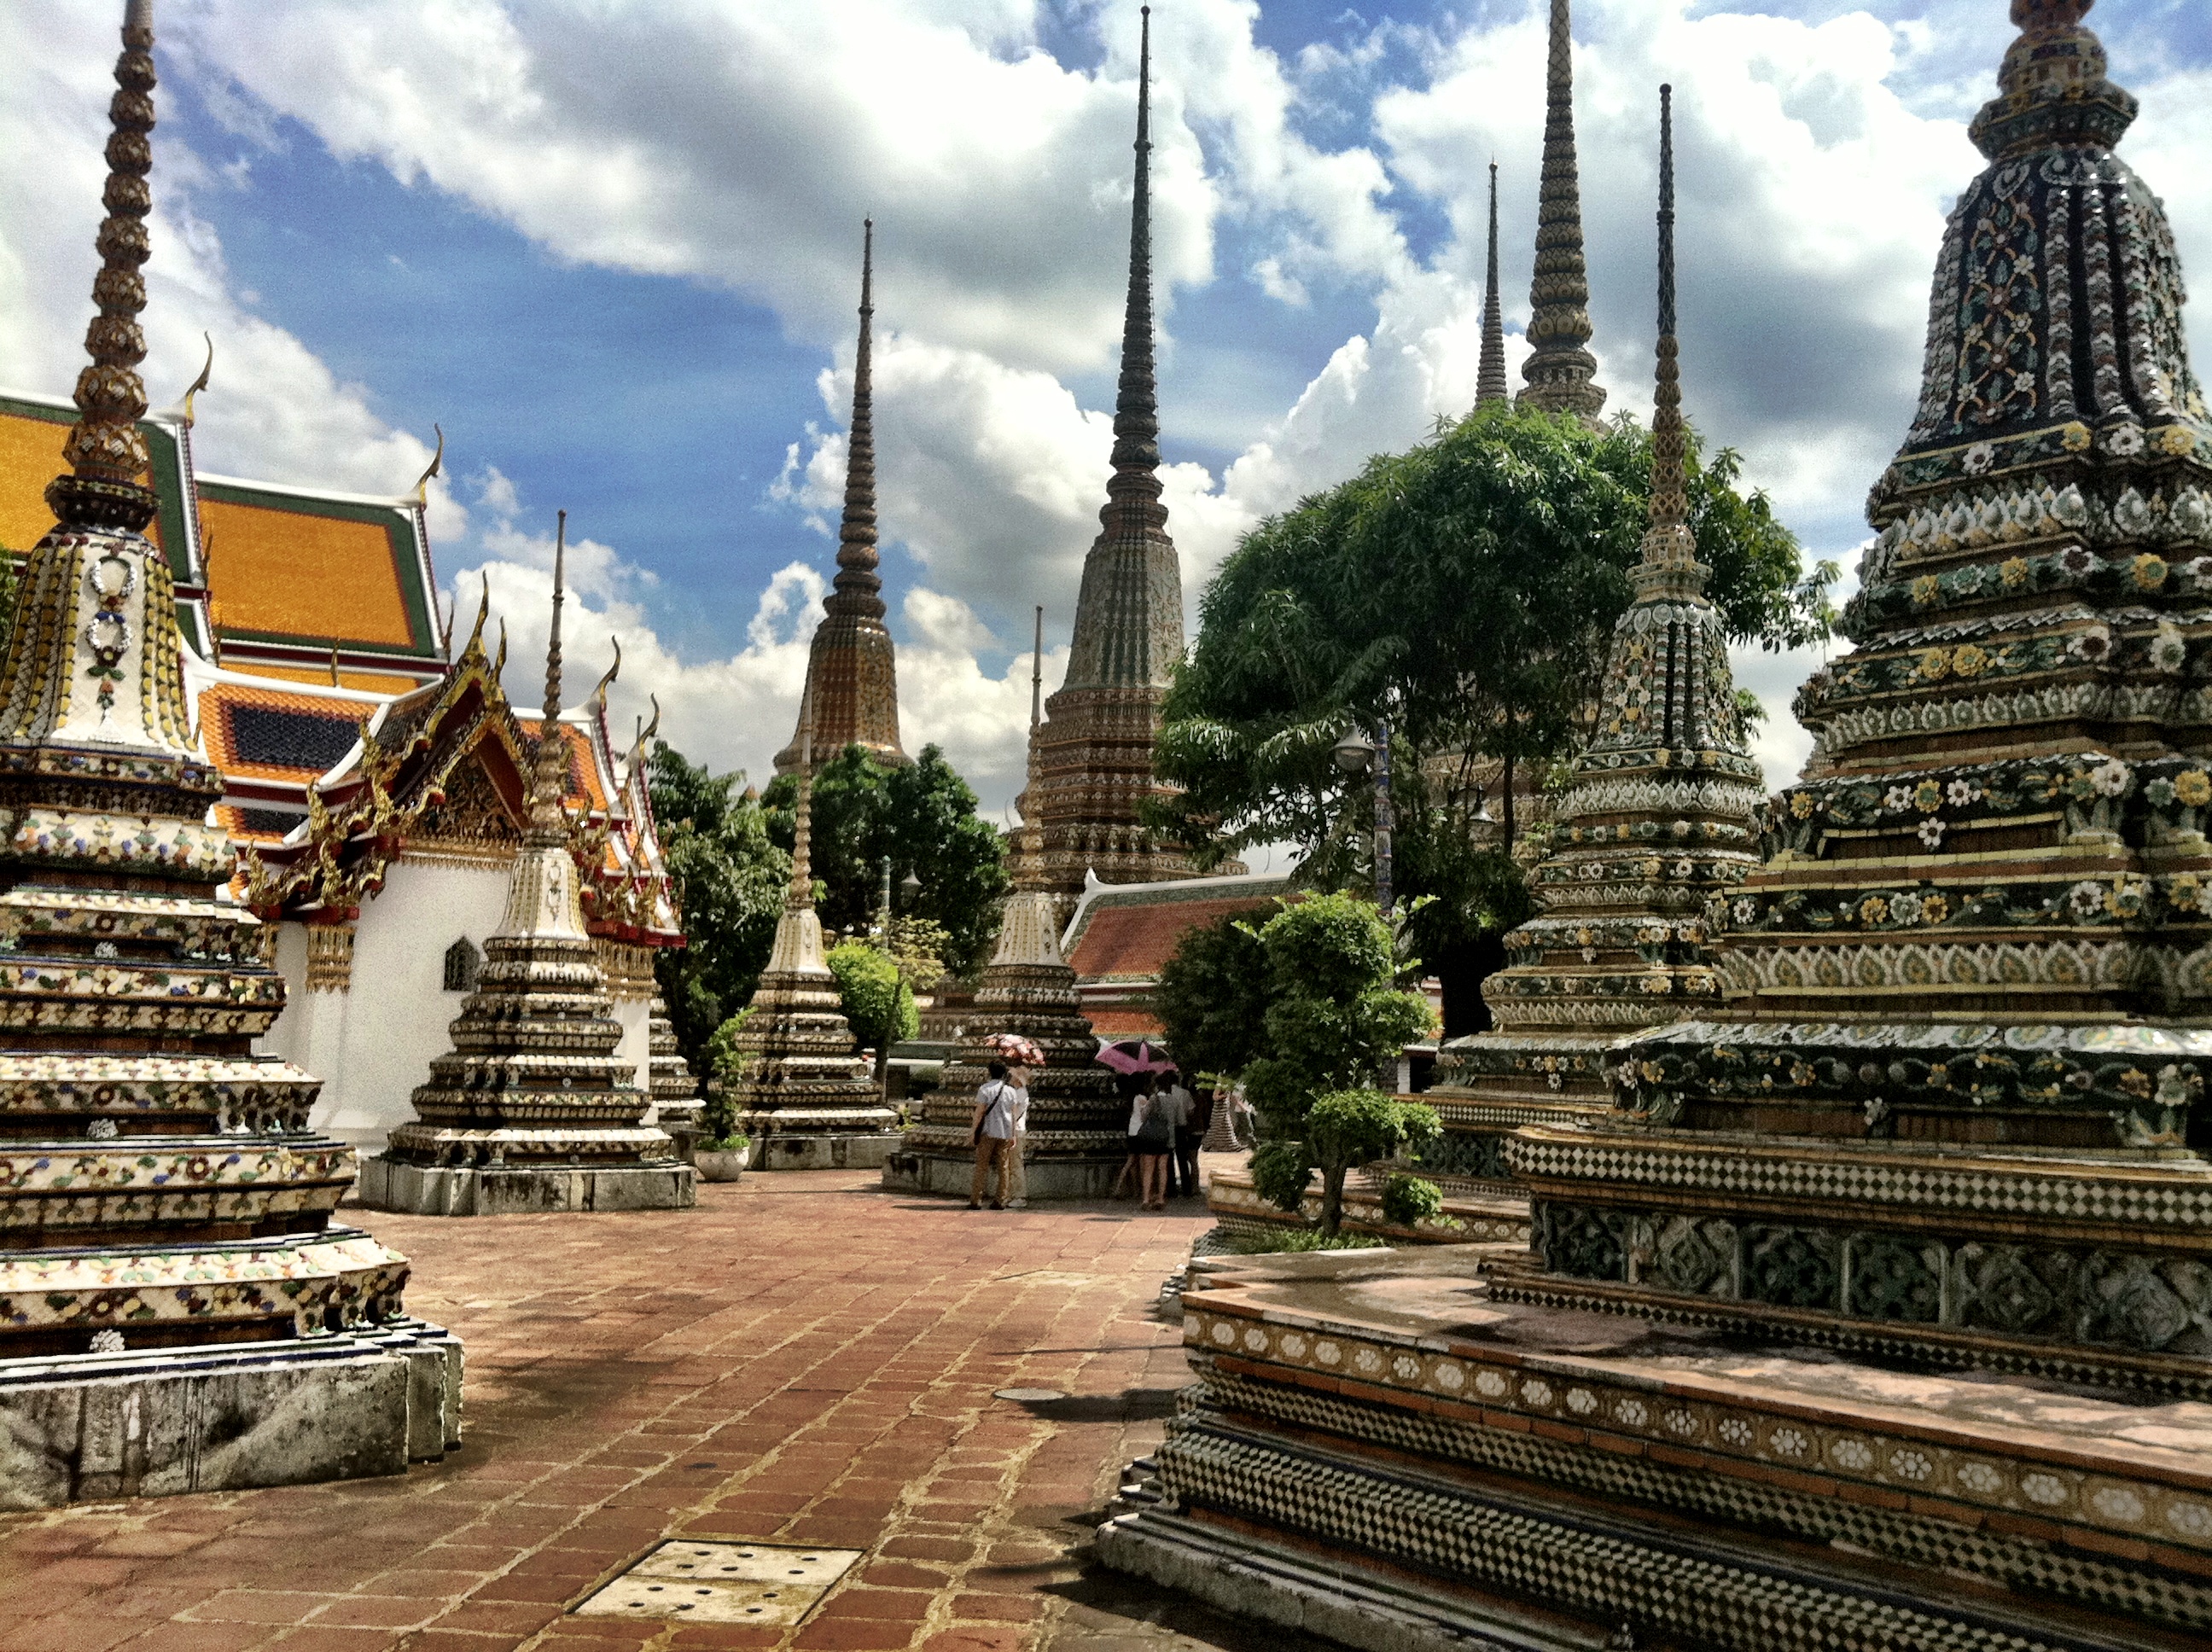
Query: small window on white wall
[{"x": 464, "y": 963}]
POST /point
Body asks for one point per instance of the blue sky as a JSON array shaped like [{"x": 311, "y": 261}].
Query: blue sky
[{"x": 613, "y": 251}]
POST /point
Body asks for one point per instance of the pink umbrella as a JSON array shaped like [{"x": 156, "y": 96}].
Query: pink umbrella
[
  {"x": 1012, "y": 1046},
  {"x": 1134, "y": 1055}
]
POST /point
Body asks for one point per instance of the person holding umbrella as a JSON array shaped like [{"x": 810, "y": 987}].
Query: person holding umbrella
[{"x": 1000, "y": 1107}]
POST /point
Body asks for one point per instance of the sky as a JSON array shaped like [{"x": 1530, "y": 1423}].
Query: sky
[{"x": 612, "y": 248}]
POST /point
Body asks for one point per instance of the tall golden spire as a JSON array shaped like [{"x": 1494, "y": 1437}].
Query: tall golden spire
[
  {"x": 800, "y": 896},
  {"x": 105, "y": 452},
  {"x": 1490, "y": 377},
  {"x": 1561, "y": 372}
]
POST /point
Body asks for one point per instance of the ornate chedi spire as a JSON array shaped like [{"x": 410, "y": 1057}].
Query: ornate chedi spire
[
  {"x": 170, "y": 1216},
  {"x": 1560, "y": 371},
  {"x": 1971, "y": 983},
  {"x": 804, "y": 1098},
  {"x": 1489, "y": 375},
  {"x": 533, "y": 1108},
  {"x": 1092, "y": 764},
  {"x": 1654, "y": 824},
  {"x": 852, "y": 672}
]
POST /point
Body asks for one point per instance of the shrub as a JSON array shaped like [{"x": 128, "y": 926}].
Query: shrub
[
  {"x": 1409, "y": 1200},
  {"x": 1298, "y": 1239}
]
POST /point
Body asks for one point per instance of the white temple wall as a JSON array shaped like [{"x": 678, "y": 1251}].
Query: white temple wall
[
  {"x": 635, "y": 1014},
  {"x": 372, "y": 1044}
]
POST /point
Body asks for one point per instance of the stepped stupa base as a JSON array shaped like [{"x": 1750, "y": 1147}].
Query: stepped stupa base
[
  {"x": 848, "y": 1150},
  {"x": 950, "y": 1171},
  {"x": 389, "y": 1184},
  {"x": 83, "y": 1428},
  {"x": 1378, "y": 1451}
]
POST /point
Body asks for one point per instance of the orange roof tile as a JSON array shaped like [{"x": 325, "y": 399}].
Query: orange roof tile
[
  {"x": 296, "y": 574},
  {"x": 1134, "y": 942},
  {"x": 30, "y": 458}
]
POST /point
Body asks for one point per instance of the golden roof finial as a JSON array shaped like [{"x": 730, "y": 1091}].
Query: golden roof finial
[
  {"x": 200, "y": 383},
  {"x": 549, "y": 780},
  {"x": 599, "y": 692},
  {"x": 105, "y": 451},
  {"x": 436, "y": 468}
]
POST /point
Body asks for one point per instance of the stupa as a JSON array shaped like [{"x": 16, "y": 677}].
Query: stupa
[
  {"x": 1078, "y": 1124},
  {"x": 1561, "y": 372},
  {"x": 1490, "y": 366},
  {"x": 1092, "y": 767},
  {"x": 852, "y": 670},
  {"x": 805, "y": 1099},
  {"x": 676, "y": 1105},
  {"x": 1655, "y": 824},
  {"x": 1873, "y": 1316},
  {"x": 532, "y": 1109},
  {"x": 179, "y": 1309}
]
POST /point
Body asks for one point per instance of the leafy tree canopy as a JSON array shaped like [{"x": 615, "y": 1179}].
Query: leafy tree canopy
[
  {"x": 922, "y": 815},
  {"x": 1465, "y": 591},
  {"x": 730, "y": 881},
  {"x": 1334, "y": 1016},
  {"x": 1211, "y": 997}
]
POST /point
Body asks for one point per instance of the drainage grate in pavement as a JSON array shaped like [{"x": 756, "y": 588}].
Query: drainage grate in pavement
[{"x": 723, "y": 1583}]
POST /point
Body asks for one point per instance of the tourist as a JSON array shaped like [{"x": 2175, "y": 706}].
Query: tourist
[
  {"x": 1154, "y": 1144},
  {"x": 1189, "y": 1131},
  {"x": 1136, "y": 1089},
  {"x": 993, "y": 1124},
  {"x": 1018, "y": 1176},
  {"x": 1242, "y": 1135}
]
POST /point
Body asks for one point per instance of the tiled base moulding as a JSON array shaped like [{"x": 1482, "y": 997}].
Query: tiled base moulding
[
  {"x": 389, "y": 1184},
  {"x": 952, "y": 1174},
  {"x": 1470, "y": 1218},
  {"x": 867, "y": 1151},
  {"x": 89, "y": 1427},
  {"x": 1377, "y": 1452}
]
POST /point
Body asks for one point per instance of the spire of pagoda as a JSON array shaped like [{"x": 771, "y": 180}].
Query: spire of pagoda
[
  {"x": 1136, "y": 405},
  {"x": 800, "y": 896},
  {"x": 858, "y": 586},
  {"x": 1667, "y": 540},
  {"x": 1561, "y": 372},
  {"x": 852, "y": 671},
  {"x": 1490, "y": 377},
  {"x": 105, "y": 452},
  {"x": 549, "y": 772}
]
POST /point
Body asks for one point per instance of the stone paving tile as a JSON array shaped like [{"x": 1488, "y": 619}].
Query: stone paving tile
[{"x": 802, "y": 1359}]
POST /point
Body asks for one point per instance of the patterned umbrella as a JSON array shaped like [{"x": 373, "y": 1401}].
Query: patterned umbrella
[
  {"x": 1013, "y": 1048},
  {"x": 1134, "y": 1055}
]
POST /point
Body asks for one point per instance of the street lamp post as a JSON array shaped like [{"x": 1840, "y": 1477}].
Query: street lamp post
[
  {"x": 887, "y": 906},
  {"x": 1354, "y": 755}
]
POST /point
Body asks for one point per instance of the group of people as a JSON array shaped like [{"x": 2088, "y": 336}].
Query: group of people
[{"x": 1167, "y": 1124}]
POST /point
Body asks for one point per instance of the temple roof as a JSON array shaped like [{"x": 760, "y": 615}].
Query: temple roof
[
  {"x": 1126, "y": 933},
  {"x": 281, "y": 576}
]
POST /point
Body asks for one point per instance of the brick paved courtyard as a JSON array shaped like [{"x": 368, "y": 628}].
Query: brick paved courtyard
[{"x": 803, "y": 1358}]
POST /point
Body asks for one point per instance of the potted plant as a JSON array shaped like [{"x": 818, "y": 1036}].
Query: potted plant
[{"x": 720, "y": 1153}]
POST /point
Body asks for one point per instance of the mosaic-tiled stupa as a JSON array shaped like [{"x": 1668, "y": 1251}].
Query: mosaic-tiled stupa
[
  {"x": 1655, "y": 821},
  {"x": 852, "y": 667},
  {"x": 1726, "y": 1403},
  {"x": 531, "y": 1109},
  {"x": 1961, "y": 1072},
  {"x": 1077, "y": 1125},
  {"x": 805, "y": 1099},
  {"x": 677, "y": 1108},
  {"x": 179, "y": 1310}
]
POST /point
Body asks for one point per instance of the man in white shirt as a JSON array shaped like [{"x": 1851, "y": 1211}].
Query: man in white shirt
[
  {"x": 1184, "y": 1165},
  {"x": 993, "y": 1125}
]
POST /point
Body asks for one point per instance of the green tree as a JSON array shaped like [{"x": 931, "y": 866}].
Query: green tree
[
  {"x": 1466, "y": 592},
  {"x": 878, "y": 1004},
  {"x": 724, "y": 1064},
  {"x": 730, "y": 883},
  {"x": 1334, "y": 1015},
  {"x": 1211, "y": 997},
  {"x": 923, "y": 816}
]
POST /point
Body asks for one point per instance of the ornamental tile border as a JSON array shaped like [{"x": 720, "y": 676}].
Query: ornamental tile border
[{"x": 1779, "y": 1434}]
